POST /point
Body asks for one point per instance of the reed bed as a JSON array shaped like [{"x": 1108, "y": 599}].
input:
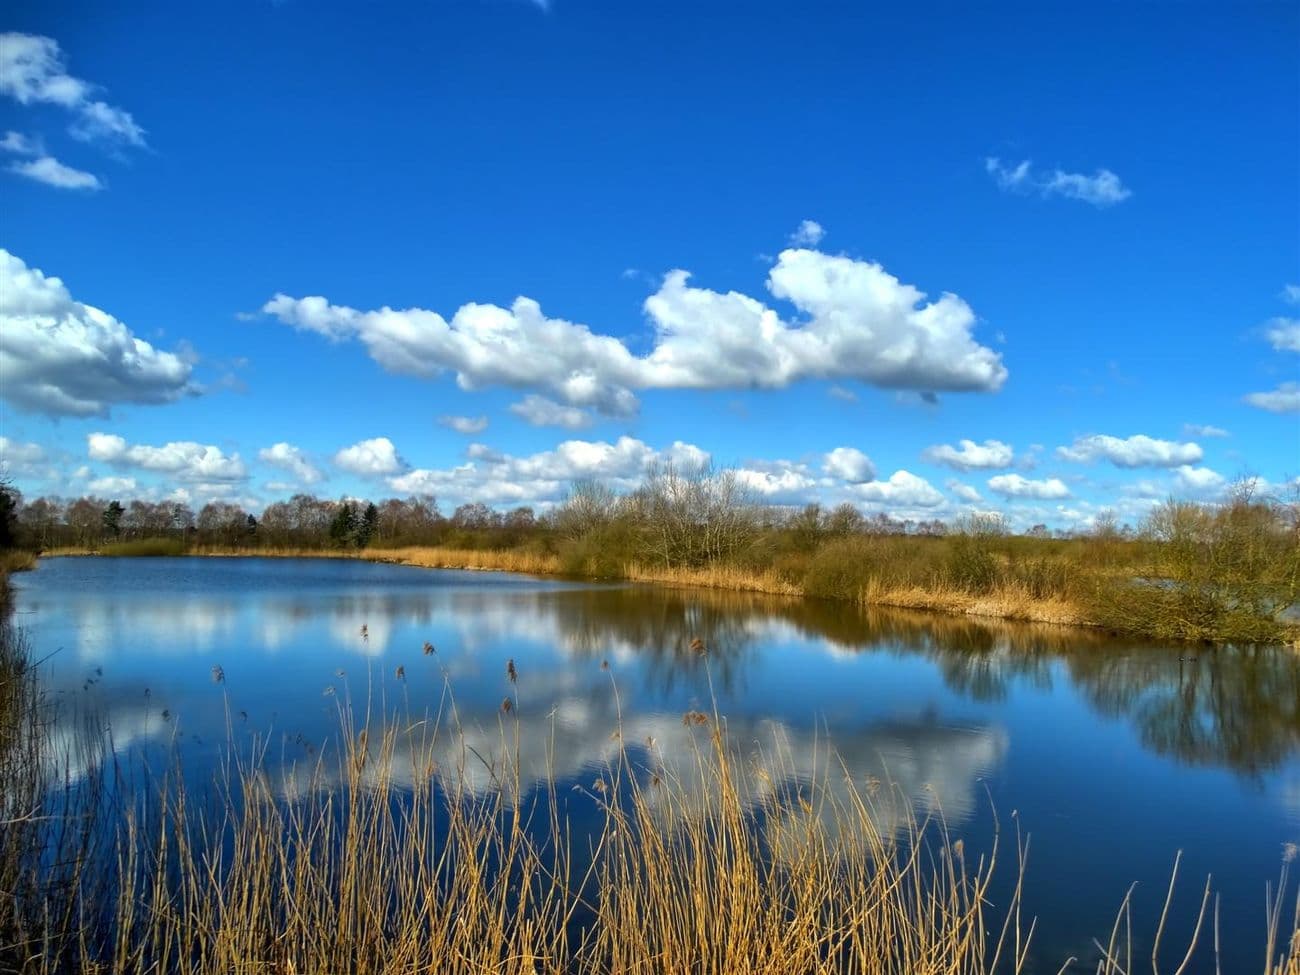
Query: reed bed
[{"x": 729, "y": 577}]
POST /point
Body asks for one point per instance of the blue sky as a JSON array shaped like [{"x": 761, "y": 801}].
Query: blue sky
[{"x": 1066, "y": 234}]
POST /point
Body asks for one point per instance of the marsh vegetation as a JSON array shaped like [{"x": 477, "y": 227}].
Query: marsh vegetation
[{"x": 1220, "y": 572}]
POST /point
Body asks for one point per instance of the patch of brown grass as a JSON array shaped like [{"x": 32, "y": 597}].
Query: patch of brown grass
[{"x": 730, "y": 577}]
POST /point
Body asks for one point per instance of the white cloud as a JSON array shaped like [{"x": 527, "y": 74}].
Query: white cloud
[
  {"x": 1199, "y": 480},
  {"x": 13, "y": 452},
  {"x": 1135, "y": 451},
  {"x": 290, "y": 458},
  {"x": 842, "y": 394},
  {"x": 809, "y": 233},
  {"x": 1016, "y": 486},
  {"x": 542, "y": 412},
  {"x": 1284, "y": 399},
  {"x": 971, "y": 456},
  {"x": 376, "y": 457},
  {"x": 1102, "y": 189},
  {"x": 902, "y": 490},
  {"x": 112, "y": 485},
  {"x": 963, "y": 492},
  {"x": 1291, "y": 294},
  {"x": 778, "y": 481},
  {"x": 499, "y": 478},
  {"x": 858, "y": 322},
  {"x": 1203, "y": 430},
  {"x": 19, "y": 459},
  {"x": 849, "y": 464},
  {"x": 1284, "y": 334},
  {"x": 464, "y": 424},
  {"x": 32, "y": 71},
  {"x": 185, "y": 459},
  {"x": 20, "y": 145},
  {"x": 64, "y": 358},
  {"x": 51, "y": 172}
]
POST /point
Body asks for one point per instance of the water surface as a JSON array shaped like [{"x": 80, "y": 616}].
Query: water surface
[{"x": 1111, "y": 753}]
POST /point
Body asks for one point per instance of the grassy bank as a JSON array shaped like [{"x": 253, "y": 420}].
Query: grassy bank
[
  {"x": 403, "y": 849},
  {"x": 1070, "y": 583}
]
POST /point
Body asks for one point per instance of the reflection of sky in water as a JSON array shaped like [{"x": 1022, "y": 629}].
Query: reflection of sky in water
[{"x": 1112, "y": 755}]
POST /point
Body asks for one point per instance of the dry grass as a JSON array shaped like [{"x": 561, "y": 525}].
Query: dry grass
[
  {"x": 1003, "y": 602},
  {"x": 510, "y": 560},
  {"x": 16, "y": 560},
  {"x": 728, "y": 577}
]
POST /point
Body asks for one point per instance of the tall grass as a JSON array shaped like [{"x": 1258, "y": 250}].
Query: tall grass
[
  {"x": 384, "y": 855},
  {"x": 145, "y": 547}
]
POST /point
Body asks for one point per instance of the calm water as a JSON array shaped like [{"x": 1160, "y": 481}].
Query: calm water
[{"x": 1112, "y": 754}]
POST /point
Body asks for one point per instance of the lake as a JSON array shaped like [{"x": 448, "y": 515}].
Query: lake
[{"x": 1111, "y": 753}]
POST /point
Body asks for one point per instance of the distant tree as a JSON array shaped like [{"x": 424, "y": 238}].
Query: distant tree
[
  {"x": 250, "y": 527},
  {"x": 473, "y": 517},
  {"x": 368, "y": 526},
  {"x": 112, "y": 518},
  {"x": 10, "y": 501},
  {"x": 1039, "y": 531},
  {"x": 344, "y": 525},
  {"x": 85, "y": 521},
  {"x": 845, "y": 519},
  {"x": 40, "y": 521},
  {"x": 222, "y": 523}
]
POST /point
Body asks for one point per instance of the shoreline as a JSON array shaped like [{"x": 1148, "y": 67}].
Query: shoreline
[{"x": 1005, "y": 604}]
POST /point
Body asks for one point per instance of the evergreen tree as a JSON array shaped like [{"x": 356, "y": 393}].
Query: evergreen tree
[
  {"x": 113, "y": 518},
  {"x": 9, "y": 502},
  {"x": 344, "y": 526},
  {"x": 369, "y": 525}
]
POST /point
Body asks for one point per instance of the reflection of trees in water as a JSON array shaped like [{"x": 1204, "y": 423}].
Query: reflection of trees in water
[
  {"x": 659, "y": 626},
  {"x": 1229, "y": 705}
]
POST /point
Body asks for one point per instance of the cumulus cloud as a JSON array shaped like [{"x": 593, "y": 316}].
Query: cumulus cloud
[
  {"x": 1135, "y": 451},
  {"x": 963, "y": 492},
  {"x": 183, "y": 459},
  {"x": 468, "y": 425},
  {"x": 542, "y": 412},
  {"x": 32, "y": 71},
  {"x": 970, "y": 455},
  {"x": 64, "y": 358},
  {"x": 849, "y": 464},
  {"x": 1284, "y": 334},
  {"x": 51, "y": 172},
  {"x": 1284, "y": 399},
  {"x": 499, "y": 478},
  {"x": 1016, "y": 486},
  {"x": 778, "y": 481},
  {"x": 1102, "y": 189},
  {"x": 19, "y": 459},
  {"x": 857, "y": 322},
  {"x": 1291, "y": 294},
  {"x": 1203, "y": 430},
  {"x": 14, "y": 452},
  {"x": 370, "y": 458},
  {"x": 112, "y": 485},
  {"x": 902, "y": 490},
  {"x": 809, "y": 233},
  {"x": 289, "y": 458},
  {"x": 1199, "y": 480}
]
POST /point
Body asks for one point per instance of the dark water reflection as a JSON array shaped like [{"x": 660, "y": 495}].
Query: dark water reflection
[{"x": 1112, "y": 752}]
